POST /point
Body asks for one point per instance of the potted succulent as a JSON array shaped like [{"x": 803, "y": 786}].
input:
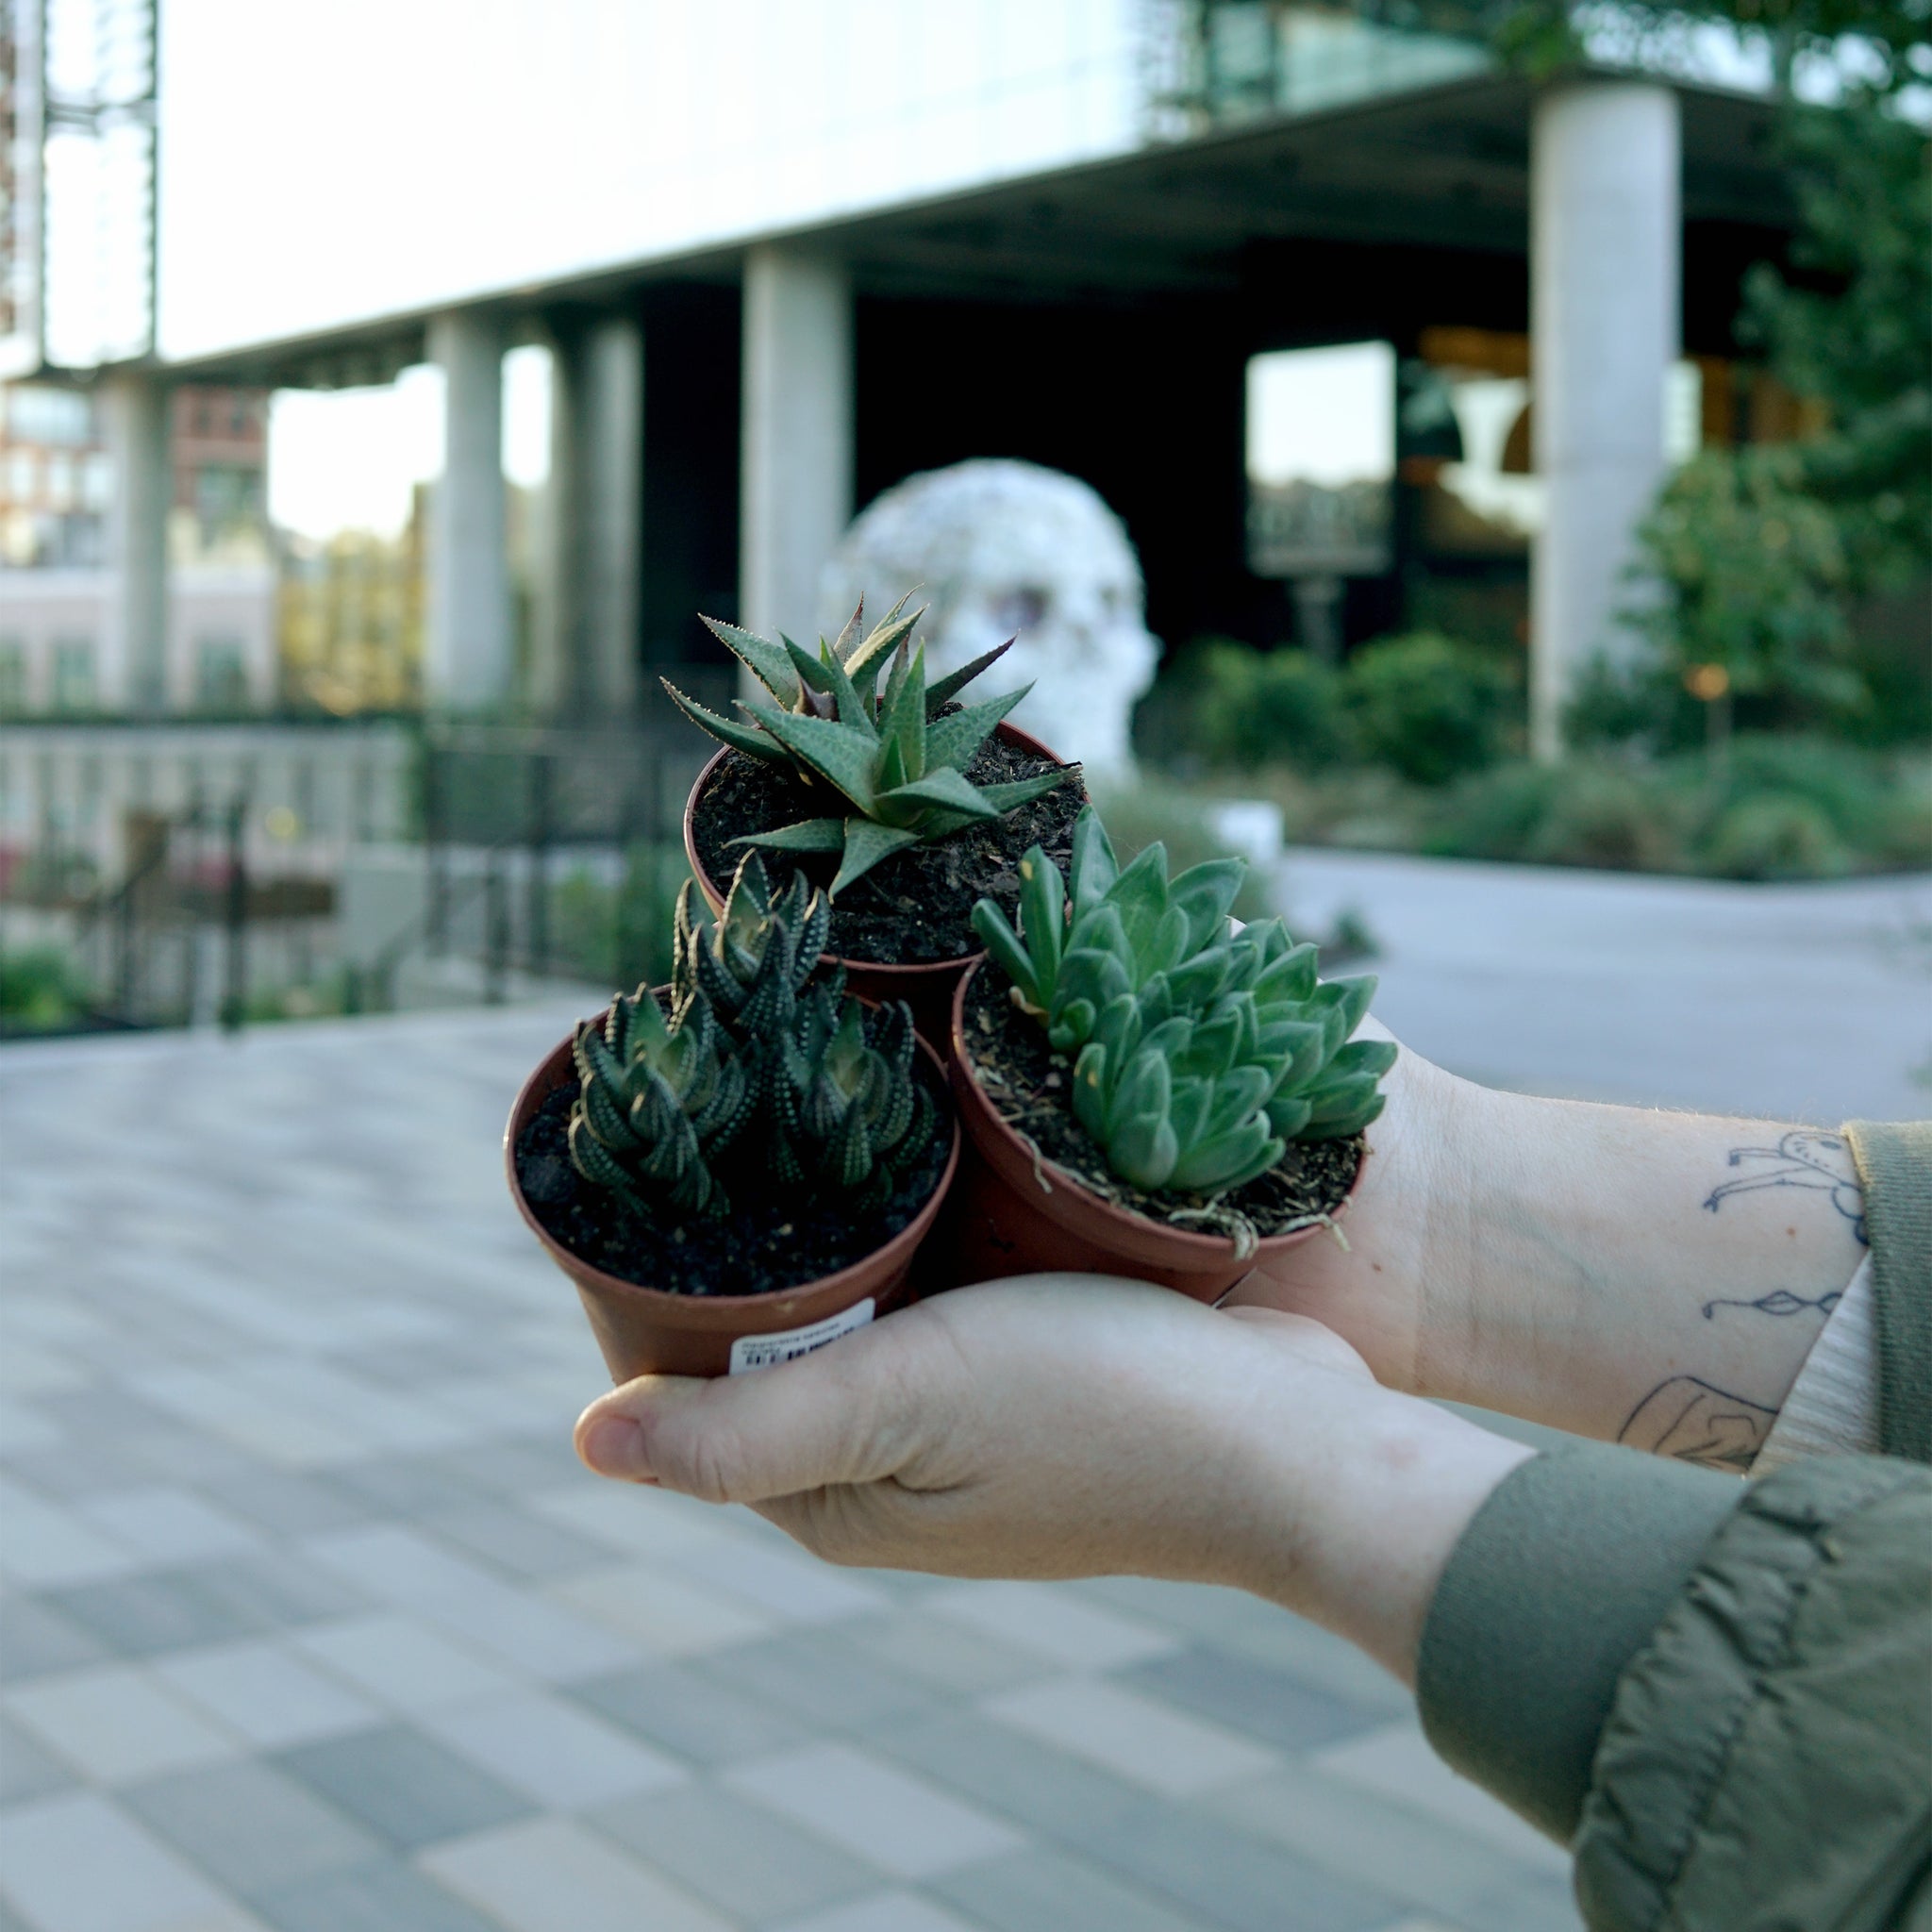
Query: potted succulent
[
  {"x": 907, "y": 804},
  {"x": 739, "y": 1167},
  {"x": 1146, "y": 1091}
]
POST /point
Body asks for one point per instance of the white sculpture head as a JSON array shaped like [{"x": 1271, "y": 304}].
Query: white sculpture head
[{"x": 997, "y": 549}]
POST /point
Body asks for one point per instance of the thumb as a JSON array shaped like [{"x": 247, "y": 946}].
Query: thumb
[{"x": 844, "y": 1414}]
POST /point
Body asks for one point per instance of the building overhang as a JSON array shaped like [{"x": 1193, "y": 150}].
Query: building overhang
[{"x": 1439, "y": 167}]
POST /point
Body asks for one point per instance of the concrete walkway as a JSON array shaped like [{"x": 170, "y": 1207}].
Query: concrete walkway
[{"x": 1805, "y": 1003}]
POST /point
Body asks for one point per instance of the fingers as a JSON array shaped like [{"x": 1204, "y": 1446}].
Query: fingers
[{"x": 844, "y": 1415}]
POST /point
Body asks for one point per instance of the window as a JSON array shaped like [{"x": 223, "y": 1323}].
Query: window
[
  {"x": 13, "y": 678},
  {"x": 220, "y": 675},
  {"x": 22, "y": 476},
  {"x": 1321, "y": 442},
  {"x": 49, "y": 415},
  {"x": 74, "y": 674}
]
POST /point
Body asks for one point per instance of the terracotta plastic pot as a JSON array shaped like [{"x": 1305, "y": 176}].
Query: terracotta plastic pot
[
  {"x": 927, "y": 988},
  {"x": 651, "y": 1331},
  {"x": 1012, "y": 1214}
]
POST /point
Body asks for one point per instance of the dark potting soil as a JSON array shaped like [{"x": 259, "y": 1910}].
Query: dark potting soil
[
  {"x": 761, "y": 1245},
  {"x": 917, "y": 905},
  {"x": 1030, "y": 1086}
]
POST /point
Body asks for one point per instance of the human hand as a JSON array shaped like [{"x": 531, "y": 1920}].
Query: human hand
[{"x": 1073, "y": 1425}]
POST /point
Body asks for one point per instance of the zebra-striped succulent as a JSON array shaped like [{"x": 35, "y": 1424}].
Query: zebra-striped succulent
[
  {"x": 659, "y": 1099},
  {"x": 756, "y": 960}
]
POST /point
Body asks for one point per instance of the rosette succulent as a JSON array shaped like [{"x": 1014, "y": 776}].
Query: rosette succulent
[
  {"x": 892, "y": 762},
  {"x": 1198, "y": 1054},
  {"x": 759, "y": 1067}
]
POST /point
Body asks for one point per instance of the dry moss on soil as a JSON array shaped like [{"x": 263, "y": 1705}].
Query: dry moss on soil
[
  {"x": 1030, "y": 1087},
  {"x": 916, "y": 906}
]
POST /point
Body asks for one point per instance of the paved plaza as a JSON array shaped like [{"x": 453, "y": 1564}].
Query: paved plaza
[{"x": 311, "y": 1622}]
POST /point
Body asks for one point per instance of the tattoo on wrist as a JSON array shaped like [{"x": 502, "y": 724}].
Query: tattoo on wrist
[
  {"x": 1693, "y": 1421},
  {"x": 1804, "y": 1157}
]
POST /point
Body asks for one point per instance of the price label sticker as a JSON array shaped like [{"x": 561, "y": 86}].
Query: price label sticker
[{"x": 762, "y": 1351}]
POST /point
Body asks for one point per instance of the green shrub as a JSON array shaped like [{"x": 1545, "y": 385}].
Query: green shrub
[
  {"x": 1612, "y": 817},
  {"x": 39, "y": 988},
  {"x": 1493, "y": 814},
  {"x": 1430, "y": 707},
  {"x": 1774, "y": 835},
  {"x": 1270, "y": 707},
  {"x": 620, "y": 934}
]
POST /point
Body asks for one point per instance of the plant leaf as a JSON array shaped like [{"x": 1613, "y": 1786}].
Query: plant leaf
[
  {"x": 1005, "y": 946},
  {"x": 1016, "y": 791},
  {"x": 1094, "y": 868},
  {"x": 765, "y": 660},
  {"x": 953, "y": 741},
  {"x": 827, "y": 674},
  {"x": 866, "y": 843},
  {"x": 1205, "y": 894},
  {"x": 727, "y": 730},
  {"x": 902, "y": 721},
  {"x": 954, "y": 682},
  {"x": 944, "y": 789},
  {"x": 843, "y": 754},
  {"x": 806, "y": 835}
]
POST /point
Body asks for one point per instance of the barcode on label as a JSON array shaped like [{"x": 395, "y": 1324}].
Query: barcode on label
[{"x": 761, "y": 1351}]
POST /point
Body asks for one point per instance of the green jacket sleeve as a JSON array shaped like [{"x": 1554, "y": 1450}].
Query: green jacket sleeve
[{"x": 1720, "y": 1693}]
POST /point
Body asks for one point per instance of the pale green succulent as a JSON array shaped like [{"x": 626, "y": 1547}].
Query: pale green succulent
[
  {"x": 1199, "y": 1054},
  {"x": 895, "y": 761},
  {"x": 658, "y": 1101}
]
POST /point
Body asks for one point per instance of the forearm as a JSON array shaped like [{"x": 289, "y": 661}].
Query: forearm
[{"x": 1647, "y": 1278}]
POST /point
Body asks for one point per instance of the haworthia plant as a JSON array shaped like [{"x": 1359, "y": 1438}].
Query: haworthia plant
[
  {"x": 759, "y": 1067},
  {"x": 658, "y": 1102},
  {"x": 1199, "y": 1054},
  {"x": 896, "y": 758}
]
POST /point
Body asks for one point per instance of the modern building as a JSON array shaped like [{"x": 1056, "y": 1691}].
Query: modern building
[
  {"x": 59, "y": 647},
  {"x": 1063, "y": 233}
]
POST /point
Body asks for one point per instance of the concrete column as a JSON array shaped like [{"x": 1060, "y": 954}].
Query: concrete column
[
  {"x": 468, "y": 654},
  {"x": 132, "y": 674},
  {"x": 795, "y": 476},
  {"x": 585, "y": 622},
  {"x": 1606, "y": 245}
]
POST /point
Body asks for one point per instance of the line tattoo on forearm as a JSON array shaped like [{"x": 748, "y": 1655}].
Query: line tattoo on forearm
[
  {"x": 1803, "y": 1157},
  {"x": 1694, "y": 1421},
  {"x": 1780, "y": 1301}
]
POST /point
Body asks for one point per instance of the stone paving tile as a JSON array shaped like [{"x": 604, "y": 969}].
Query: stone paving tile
[
  {"x": 165, "y": 1525},
  {"x": 118, "y": 1724},
  {"x": 1223, "y": 1875},
  {"x": 288, "y": 1503},
  {"x": 266, "y": 1694},
  {"x": 1138, "y": 1738},
  {"x": 1249, "y": 1696},
  {"x": 408, "y": 1485},
  {"x": 1050, "y": 1892},
  {"x": 255, "y": 1829},
  {"x": 1031, "y": 1782},
  {"x": 47, "y": 1546},
  {"x": 896, "y": 1911},
  {"x": 401, "y": 1663},
  {"x": 406, "y": 1787},
  {"x": 28, "y": 1769},
  {"x": 813, "y": 1673},
  {"x": 737, "y": 1855},
  {"x": 36, "y": 1638},
  {"x": 1052, "y": 1623},
  {"x": 80, "y": 1863},
  {"x": 665, "y": 1615},
  {"x": 950, "y": 1658},
  {"x": 1396, "y": 1762},
  {"x": 516, "y": 1540},
  {"x": 1421, "y": 1859},
  {"x": 874, "y": 1809},
  {"x": 556, "y": 1754},
  {"x": 207, "y": 1603},
  {"x": 784, "y": 1582},
  {"x": 698, "y": 1719},
  {"x": 552, "y": 1875},
  {"x": 390, "y": 1897}
]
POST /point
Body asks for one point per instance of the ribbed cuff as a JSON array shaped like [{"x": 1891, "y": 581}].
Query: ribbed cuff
[
  {"x": 1895, "y": 1165},
  {"x": 1563, "y": 1575}
]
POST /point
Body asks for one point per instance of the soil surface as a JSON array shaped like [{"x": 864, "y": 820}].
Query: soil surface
[
  {"x": 1030, "y": 1086},
  {"x": 761, "y": 1245},
  {"x": 917, "y": 905}
]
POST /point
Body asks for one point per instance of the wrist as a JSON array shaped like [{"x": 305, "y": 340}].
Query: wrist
[{"x": 1376, "y": 1518}]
